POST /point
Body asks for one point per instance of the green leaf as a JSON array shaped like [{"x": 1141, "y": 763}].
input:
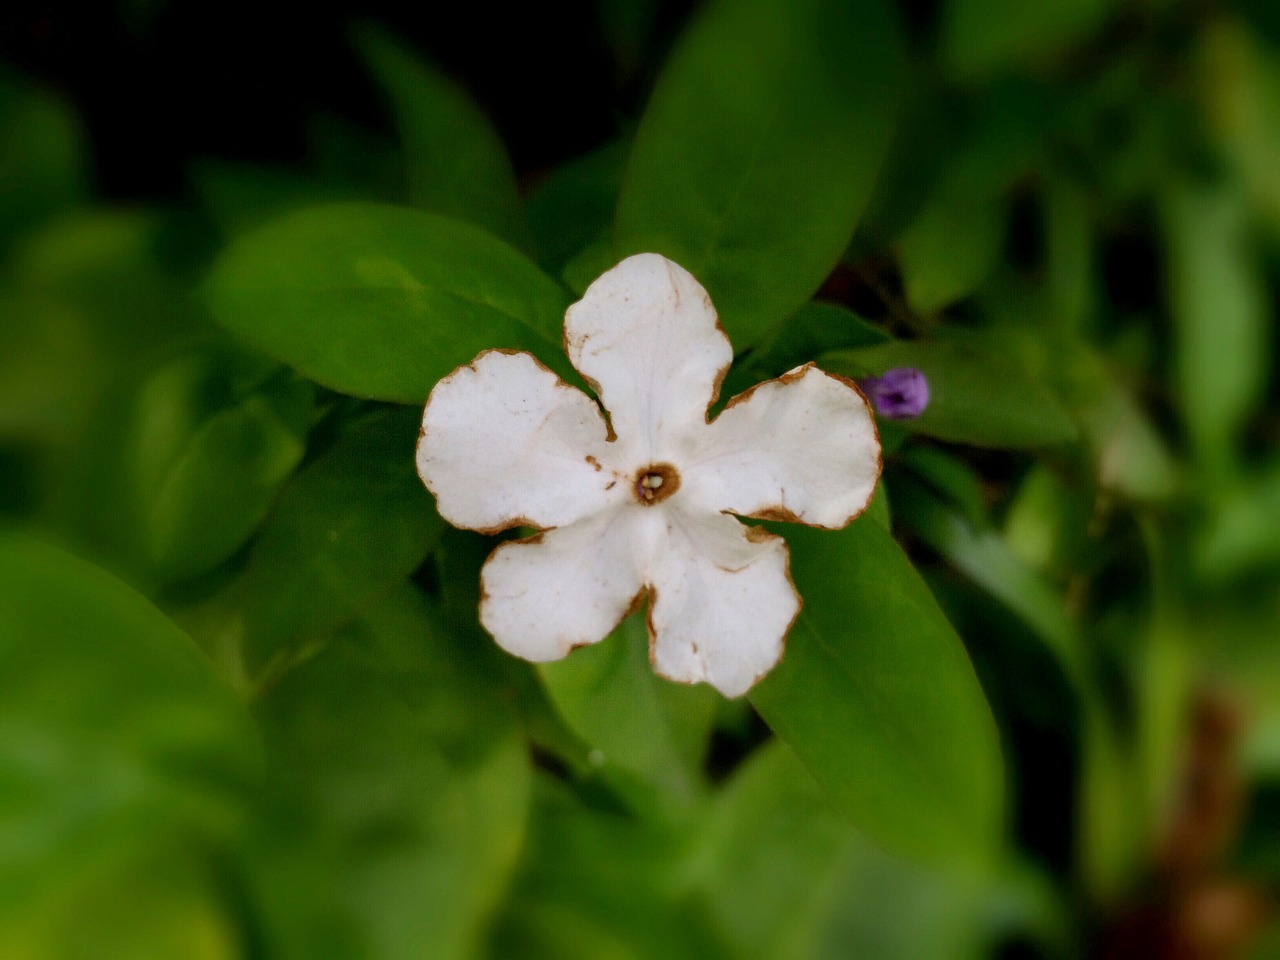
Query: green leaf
[
  {"x": 815, "y": 329},
  {"x": 1243, "y": 531},
  {"x": 352, "y": 525},
  {"x": 182, "y": 468},
  {"x": 878, "y": 698},
  {"x": 983, "y": 556},
  {"x": 1221, "y": 314},
  {"x": 936, "y": 270},
  {"x": 611, "y": 698},
  {"x": 117, "y": 732},
  {"x": 975, "y": 397},
  {"x": 457, "y": 164},
  {"x": 788, "y": 877},
  {"x": 160, "y": 904},
  {"x": 574, "y": 205},
  {"x": 43, "y": 168},
  {"x": 759, "y": 149},
  {"x": 981, "y": 36},
  {"x": 398, "y": 801},
  {"x": 382, "y": 302},
  {"x": 594, "y": 884}
]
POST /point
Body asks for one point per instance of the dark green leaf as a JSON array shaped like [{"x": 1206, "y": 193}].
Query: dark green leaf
[
  {"x": 574, "y": 205},
  {"x": 981, "y": 36},
  {"x": 878, "y": 698},
  {"x": 350, "y": 527},
  {"x": 382, "y": 302},
  {"x": 759, "y": 149},
  {"x": 42, "y": 166},
  {"x": 456, "y": 162}
]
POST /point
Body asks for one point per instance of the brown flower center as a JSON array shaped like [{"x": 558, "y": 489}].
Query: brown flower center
[{"x": 655, "y": 483}]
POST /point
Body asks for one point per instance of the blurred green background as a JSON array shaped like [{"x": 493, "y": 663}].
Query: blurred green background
[{"x": 246, "y": 710}]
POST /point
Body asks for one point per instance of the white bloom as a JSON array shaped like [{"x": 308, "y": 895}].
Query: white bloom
[{"x": 644, "y": 507}]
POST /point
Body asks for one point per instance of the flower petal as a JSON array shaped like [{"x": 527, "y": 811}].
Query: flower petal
[
  {"x": 801, "y": 448},
  {"x": 646, "y": 335},
  {"x": 543, "y": 596},
  {"x": 721, "y": 603},
  {"x": 505, "y": 442}
]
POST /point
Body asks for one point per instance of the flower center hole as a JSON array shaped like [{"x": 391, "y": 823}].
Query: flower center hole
[{"x": 655, "y": 483}]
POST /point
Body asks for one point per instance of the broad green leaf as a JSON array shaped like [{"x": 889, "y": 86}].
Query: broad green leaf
[
  {"x": 116, "y": 733},
  {"x": 877, "y": 696},
  {"x": 975, "y": 396},
  {"x": 380, "y": 301},
  {"x": 1221, "y": 314},
  {"x": 456, "y": 162},
  {"x": 982, "y": 36},
  {"x": 43, "y": 169},
  {"x": 612, "y": 699},
  {"x": 397, "y": 805},
  {"x": 352, "y": 524},
  {"x": 759, "y": 150},
  {"x": 574, "y": 205}
]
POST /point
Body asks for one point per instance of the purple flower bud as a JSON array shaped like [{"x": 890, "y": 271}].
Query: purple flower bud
[{"x": 901, "y": 393}]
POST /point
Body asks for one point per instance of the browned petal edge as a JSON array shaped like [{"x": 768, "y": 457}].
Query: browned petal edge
[
  {"x": 706, "y": 299},
  {"x": 780, "y": 512},
  {"x": 422, "y": 436},
  {"x": 755, "y": 535}
]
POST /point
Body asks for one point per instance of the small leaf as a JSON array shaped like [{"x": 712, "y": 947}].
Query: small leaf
[
  {"x": 975, "y": 397},
  {"x": 350, "y": 527},
  {"x": 457, "y": 164},
  {"x": 382, "y": 302},
  {"x": 1221, "y": 315},
  {"x": 117, "y": 732},
  {"x": 43, "y": 166},
  {"x": 877, "y": 696},
  {"x": 936, "y": 270},
  {"x": 610, "y": 696},
  {"x": 759, "y": 148}
]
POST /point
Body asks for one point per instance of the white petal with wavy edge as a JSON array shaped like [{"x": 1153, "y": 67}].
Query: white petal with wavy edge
[
  {"x": 645, "y": 334},
  {"x": 570, "y": 586},
  {"x": 506, "y": 442},
  {"x": 801, "y": 448},
  {"x": 722, "y": 602}
]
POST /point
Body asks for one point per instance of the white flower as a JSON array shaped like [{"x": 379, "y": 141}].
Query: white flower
[{"x": 642, "y": 506}]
